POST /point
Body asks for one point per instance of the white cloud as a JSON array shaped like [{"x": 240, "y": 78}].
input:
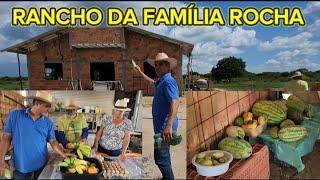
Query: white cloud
[
  {"x": 225, "y": 36},
  {"x": 2, "y": 38},
  {"x": 297, "y": 53},
  {"x": 8, "y": 58},
  {"x": 214, "y": 43},
  {"x": 315, "y": 26},
  {"x": 299, "y": 41},
  {"x": 312, "y": 7},
  {"x": 272, "y": 62},
  {"x": 282, "y": 64},
  {"x": 241, "y": 37}
]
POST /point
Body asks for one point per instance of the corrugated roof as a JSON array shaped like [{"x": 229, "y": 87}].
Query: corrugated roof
[{"x": 24, "y": 46}]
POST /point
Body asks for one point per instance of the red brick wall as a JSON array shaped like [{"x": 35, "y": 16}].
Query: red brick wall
[
  {"x": 36, "y": 61},
  {"x": 98, "y": 55},
  {"x": 138, "y": 47},
  {"x": 93, "y": 35}
]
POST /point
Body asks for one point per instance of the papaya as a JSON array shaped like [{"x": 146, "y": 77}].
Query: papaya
[{"x": 247, "y": 116}]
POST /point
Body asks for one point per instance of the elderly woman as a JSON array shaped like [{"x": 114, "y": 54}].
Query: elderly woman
[
  {"x": 72, "y": 127},
  {"x": 113, "y": 137}
]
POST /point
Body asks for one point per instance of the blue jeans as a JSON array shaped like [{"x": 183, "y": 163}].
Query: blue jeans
[
  {"x": 32, "y": 175},
  {"x": 163, "y": 161}
]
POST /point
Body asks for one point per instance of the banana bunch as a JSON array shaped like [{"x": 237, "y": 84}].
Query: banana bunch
[
  {"x": 74, "y": 165},
  {"x": 82, "y": 149}
]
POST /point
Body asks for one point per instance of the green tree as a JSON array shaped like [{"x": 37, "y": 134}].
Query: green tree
[{"x": 228, "y": 68}]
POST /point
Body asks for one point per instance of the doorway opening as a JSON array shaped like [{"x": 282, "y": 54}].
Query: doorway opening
[{"x": 102, "y": 71}]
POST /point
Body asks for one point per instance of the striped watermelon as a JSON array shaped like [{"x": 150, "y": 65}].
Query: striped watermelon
[
  {"x": 269, "y": 109},
  {"x": 295, "y": 103},
  {"x": 239, "y": 148},
  {"x": 292, "y": 133}
]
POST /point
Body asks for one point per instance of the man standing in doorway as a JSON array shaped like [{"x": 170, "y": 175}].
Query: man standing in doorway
[{"x": 164, "y": 108}]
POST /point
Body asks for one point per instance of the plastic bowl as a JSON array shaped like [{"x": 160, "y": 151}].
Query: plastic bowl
[{"x": 213, "y": 170}]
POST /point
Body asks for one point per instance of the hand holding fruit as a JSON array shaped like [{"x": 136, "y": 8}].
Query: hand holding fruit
[
  {"x": 167, "y": 133},
  {"x": 94, "y": 147},
  {"x": 69, "y": 146},
  {"x": 138, "y": 68},
  {"x": 3, "y": 166}
]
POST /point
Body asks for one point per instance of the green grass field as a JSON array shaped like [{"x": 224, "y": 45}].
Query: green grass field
[
  {"x": 249, "y": 85},
  {"x": 12, "y": 84}
]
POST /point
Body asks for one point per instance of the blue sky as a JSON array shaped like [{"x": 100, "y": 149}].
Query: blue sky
[{"x": 262, "y": 48}]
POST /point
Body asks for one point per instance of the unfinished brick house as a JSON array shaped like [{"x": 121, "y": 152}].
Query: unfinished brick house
[{"x": 63, "y": 57}]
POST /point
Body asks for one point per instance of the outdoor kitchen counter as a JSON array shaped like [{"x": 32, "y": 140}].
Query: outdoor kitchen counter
[{"x": 51, "y": 170}]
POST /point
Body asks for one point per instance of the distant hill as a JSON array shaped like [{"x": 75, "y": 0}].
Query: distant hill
[{"x": 257, "y": 81}]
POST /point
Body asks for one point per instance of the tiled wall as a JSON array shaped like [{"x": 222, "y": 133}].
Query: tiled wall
[{"x": 210, "y": 112}]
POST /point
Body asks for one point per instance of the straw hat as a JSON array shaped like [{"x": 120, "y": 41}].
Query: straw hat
[
  {"x": 72, "y": 105},
  {"x": 297, "y": 74},
  {"x": 122, "y": 105},
  {"x": 163, "y": 57},
  {"x": 44, "y": 96}
]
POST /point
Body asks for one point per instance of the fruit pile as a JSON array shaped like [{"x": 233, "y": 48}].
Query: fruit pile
[
  {"x": 78, "y": 166},
  {"x": 81, "y": 149},
  {"x": 211, "y": 159},
  {"x": 296, "y": 109},
  {"x": 115, "y": 169},
  {"x": 288, "y": 131},
  {"x": 270, "y": 110},
  {"x": 252, "y": 125}
]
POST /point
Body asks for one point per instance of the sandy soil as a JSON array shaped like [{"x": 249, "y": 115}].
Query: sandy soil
[{"x": 178, "y": 153}]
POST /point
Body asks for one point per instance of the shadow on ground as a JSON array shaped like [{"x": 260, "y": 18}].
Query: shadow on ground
[{"x": 311, "y": 171}]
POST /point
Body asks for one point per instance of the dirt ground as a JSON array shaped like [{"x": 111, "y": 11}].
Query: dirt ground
[
  {"x": 311, "y": 170},
  {"x": 178, "y": 153}
]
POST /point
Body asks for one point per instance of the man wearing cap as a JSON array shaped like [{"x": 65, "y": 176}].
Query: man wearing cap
[
  {"x": 164, "y": 108},
  {"x": 72, "y": 127},
  {"x": 113, "y": 136},
  {"x": 296, "y": 84},
  {"x": 30, "y": 130}
]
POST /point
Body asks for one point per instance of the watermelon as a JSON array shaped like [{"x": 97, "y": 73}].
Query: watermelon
[
  {"x": 292, "y": 133},
  {"x": 274, "y": 114},
  {"x": 239, "y": 148}
]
